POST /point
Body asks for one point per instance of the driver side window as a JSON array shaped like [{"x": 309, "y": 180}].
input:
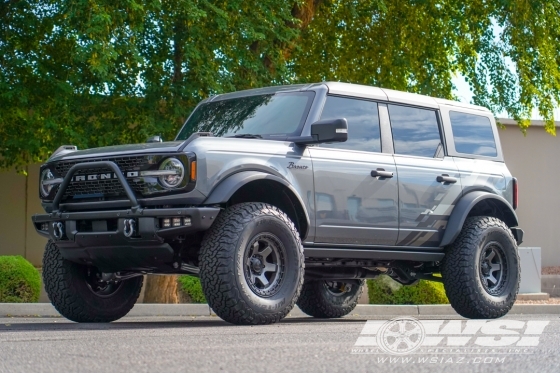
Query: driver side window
[{"x": 363, "y": 123}]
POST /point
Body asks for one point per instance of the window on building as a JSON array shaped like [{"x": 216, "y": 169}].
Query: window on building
[{"x": 363, "y": 123}]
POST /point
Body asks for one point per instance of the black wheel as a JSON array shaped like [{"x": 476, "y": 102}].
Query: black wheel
[
  {"x": 481, "y": 269},
  {"x": 330, "y": 299},
  {"x": 77, "y": 292},
  {"x": 251, "y": 264}
]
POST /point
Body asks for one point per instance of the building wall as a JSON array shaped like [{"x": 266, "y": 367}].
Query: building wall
[
  {"x": 19, "y": 200},
  {"x": 534, "y": 159}
]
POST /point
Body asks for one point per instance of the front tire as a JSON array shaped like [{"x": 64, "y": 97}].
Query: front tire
[
  {"x": 251, "y": 264},
  {"x": 480, "y": 269},
  {"x": 330, "y": 299},
  {"x": 74, "y": 292}
]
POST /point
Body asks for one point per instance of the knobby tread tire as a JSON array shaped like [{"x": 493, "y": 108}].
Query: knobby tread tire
[
  {"x": 66, "y": 287},
  {"x": 460, "y": 267},
  {"x": 219, "y": 258},
  {"x": 315, "y": 301}
]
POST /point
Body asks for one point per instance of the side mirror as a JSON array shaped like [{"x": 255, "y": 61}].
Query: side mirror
[
  {"x": 155, "y": 139},
  {"x": 326, "y": 130}
]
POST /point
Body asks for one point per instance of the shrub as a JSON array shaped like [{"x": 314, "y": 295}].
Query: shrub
[
  {"x": 20, "y": 282},
  {"x": 190, "y": 286},
  {"x": 385, "y": 290}
]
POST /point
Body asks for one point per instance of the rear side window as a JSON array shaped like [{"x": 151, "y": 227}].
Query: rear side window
[
  {"x": 473, "y": 134},
  {"x": 363, "y": 123},
  {"x": 415, "y": 131}
]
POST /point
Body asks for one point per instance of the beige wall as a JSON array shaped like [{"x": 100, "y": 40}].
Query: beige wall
[
  {"x": 19, "y": 200},
  {"x": 534, "y": 159}
]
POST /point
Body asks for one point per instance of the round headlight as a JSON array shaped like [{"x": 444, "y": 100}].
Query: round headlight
[
  {"x": 175, "y": 174},
  {"x": 44, "y": 186}
]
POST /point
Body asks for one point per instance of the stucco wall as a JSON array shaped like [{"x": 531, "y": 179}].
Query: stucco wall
[
  {"x": 18, "y": 202},
  {"x": 534, "y": 159}
]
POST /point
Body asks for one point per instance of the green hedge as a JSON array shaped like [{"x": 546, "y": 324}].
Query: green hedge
[
  {"x": 190, "y": 286},
  {"x": 20, "y": 282},
  {"x": 385, "y": 290}
]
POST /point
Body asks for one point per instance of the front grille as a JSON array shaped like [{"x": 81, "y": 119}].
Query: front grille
[
  {"x": 102, "y": 189},
  {"x": 134, "y": 163}
]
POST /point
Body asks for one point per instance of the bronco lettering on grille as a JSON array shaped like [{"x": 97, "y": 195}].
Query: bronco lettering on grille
[{"x": 103, "y": 176}]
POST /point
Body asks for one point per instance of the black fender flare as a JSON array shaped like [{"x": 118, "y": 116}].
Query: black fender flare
[
  {"x": 227, "y": 188},
  {"x": 464, "y": 207}
]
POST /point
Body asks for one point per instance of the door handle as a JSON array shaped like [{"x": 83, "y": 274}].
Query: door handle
[
  {"x": 380, "y": 172},
  {"x": 445, "y": 178}
]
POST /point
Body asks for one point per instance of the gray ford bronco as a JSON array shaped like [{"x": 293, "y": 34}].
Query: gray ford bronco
[{"x": 288, "y": 195}]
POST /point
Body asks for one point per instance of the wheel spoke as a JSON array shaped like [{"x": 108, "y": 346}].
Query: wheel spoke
[
  {"x": 495, "y": 267},
  {"x": 266, "y": 252},
  {"x": 492, "y": 279},
  {"x": 262, "y": 278},
  {"x": 270, "y": 267},
  {"x": 256, "y": 248},
  {"x": 490, "y": 256}
]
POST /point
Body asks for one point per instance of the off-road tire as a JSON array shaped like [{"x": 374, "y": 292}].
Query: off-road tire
[
  {"x": 223, "y": 264},
  {"x": 317, "y": 301},
  {"x": 68, "y": 291},
  {"x": 462, "y": 273}
]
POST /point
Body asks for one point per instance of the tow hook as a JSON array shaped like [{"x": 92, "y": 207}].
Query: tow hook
[
  {"x": 129, "y": 227},
  {"x": 58, "y": 230}
]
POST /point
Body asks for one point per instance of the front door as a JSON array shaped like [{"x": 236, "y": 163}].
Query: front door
[{"x": 352, "y": 205}]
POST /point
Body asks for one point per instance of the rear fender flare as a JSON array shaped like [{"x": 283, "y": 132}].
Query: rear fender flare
[{"x": 464, "y": 207}]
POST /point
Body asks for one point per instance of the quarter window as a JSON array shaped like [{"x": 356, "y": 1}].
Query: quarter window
[
  {"x": 473, "y": 134},
  {"x": 363, "y": 123},
  {"x": 415, "y": 131}
]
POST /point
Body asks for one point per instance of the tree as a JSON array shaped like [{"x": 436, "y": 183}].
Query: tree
[
  {"x": 509, "y": 51},
  {"x": 100, "y": 72}
]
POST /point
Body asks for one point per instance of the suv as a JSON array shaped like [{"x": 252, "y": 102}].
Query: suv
[{"x": 285, "y": 195}]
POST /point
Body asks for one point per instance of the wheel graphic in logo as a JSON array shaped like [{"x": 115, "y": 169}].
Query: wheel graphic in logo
[{"x": 401, "y": 335}]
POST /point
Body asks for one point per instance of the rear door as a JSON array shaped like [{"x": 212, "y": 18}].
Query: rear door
[
  {"x": 429, "y": 181},
  {"x": 352, "y": 207}
]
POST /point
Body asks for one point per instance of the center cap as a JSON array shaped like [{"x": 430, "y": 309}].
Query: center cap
[
  {"x": 485, "y": 268},
  {"x": 256, "y": 264}
]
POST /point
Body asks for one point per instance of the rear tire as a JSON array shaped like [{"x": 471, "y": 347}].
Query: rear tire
[
  {"x": 480, "y": 269},
  {"x": 251, "y": 264},
  {"x": 74, "y": 293},
  {"x": 325, "y": 299}
]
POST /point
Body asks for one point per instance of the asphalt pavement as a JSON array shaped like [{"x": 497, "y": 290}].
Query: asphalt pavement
[{"x": 296, "y": 344}]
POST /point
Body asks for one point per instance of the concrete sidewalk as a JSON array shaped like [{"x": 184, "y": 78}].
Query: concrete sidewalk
[{"x": 145, "y": 310}]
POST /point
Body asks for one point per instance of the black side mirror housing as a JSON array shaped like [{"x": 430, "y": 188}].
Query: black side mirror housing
[
  {"x": 155, "y": 139},
  {"x": 326, "y": 130}
]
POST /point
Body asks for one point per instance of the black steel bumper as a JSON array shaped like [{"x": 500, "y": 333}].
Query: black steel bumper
[{"x": 98, "y": 237}]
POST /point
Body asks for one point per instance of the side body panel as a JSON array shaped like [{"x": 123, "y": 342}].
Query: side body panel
[
  {"x": 424, "y": 203},
  {"x": 351, "y": 206}
]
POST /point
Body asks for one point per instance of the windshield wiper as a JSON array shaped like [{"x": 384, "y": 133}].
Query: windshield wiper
[{"x": 246, "y": 136}]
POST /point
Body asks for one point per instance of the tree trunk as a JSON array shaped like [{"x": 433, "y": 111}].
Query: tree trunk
[{"x": 161, "y": 289}]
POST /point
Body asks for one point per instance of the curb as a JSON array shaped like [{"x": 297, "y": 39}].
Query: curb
[{"x": 154, "y": 310}]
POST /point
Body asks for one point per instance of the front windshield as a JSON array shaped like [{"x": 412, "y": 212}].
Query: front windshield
[{"x": 277, "y": 115}]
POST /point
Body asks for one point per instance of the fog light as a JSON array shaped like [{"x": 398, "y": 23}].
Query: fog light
[
  {"x": 187, "y": 221},
  {"x": 44, "y": 226},
  {"x": 176, "y": 222},
  {"x": 166, "y": 223}
]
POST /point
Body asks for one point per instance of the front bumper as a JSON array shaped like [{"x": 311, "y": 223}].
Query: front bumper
[{"x": 103, "y": 242}]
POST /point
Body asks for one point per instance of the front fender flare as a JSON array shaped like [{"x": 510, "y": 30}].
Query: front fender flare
[
  {"x": 464, "y": 207},
  {"x": 227, "y": 188}
]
